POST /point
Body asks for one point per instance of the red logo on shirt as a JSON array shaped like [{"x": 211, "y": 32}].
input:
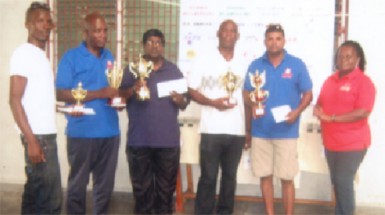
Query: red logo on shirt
[{"x": 287, "y": 73}]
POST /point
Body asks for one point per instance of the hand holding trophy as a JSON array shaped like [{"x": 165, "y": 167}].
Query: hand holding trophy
[
  {"x": 79, "y": 94},
  {"x": 141, "y": 68},
  {"x": 231, "y": 83},
  {"x": 114, "y": 77},
  {"x": 258, "y": 96}
]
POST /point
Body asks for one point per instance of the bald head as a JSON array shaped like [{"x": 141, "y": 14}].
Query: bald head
[
  {"x": 90, "y": 20},
  {"x": 227, "y": 35},
  {"x": 95, "y": 31},
  {"x": 228, "y": 22}
]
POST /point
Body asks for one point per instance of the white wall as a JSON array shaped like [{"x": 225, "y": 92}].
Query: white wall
[
  {"x": 11, "y": 153},
  {"x": 366, "y": 25}
]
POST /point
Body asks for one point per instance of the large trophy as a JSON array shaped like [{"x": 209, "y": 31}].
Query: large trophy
[
  {"x": 258, "y": 96},
  {"x": 114, "y": 77},
  {"x": 79, "y": 94},
  {"x": 231, "y": 82},
  {"x": 141, "y": 68}
]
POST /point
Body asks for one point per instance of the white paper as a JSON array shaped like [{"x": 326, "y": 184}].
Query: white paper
[
  {"x": 165, "y": 88},
  {"x": 86, "y": 111},
  {"x": 246, "y": 160},
  {"x": 280, "y": 113}
]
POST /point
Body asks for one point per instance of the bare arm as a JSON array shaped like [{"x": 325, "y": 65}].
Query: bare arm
[
  {"x": 107, "y": 92},
  {"x": 307, "y": 97},
  {"x": 220, "y": 103},
  {"x": 352, "y": 116},
  {"x": 248, "y": 117},
  {"x": 131, "y": 91},
  {"x": 16, "y": 92}
]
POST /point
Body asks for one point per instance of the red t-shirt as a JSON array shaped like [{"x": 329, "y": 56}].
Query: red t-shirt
[{"x": 340, "y": 96}]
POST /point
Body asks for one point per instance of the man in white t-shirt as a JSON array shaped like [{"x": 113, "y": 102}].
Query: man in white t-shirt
[
  {"x": 222, "y": 125},
  {"x": 32, "y": 101}
]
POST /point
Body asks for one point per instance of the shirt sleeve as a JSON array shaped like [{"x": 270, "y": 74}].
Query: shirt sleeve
[
  {"x": 64, "y": 77},
  {"x": 305, "y": 82},
  {"x": 194, "y": 79},
  {"x": 247, "y": 84},
  {"x": 18, "y": 66},
  {"x": 366, "y": 94}
]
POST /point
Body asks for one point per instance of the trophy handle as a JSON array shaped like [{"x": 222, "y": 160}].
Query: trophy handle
[{"x": 131, "y": 68}]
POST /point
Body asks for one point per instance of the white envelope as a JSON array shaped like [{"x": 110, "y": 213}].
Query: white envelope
[
  {"x": 165, "y": 88},
  {"x": 70, "y": 109},
  {"x": 280, "y": 113}
]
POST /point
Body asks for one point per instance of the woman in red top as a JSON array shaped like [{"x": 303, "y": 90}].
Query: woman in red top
[{"x": 343, "y": 107}]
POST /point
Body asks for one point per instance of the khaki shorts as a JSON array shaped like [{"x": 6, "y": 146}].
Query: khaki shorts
[{"x": 276, "y": 157}]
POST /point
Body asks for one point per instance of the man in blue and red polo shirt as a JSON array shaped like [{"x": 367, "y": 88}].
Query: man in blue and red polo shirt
[{"x": 274, "y": 142}]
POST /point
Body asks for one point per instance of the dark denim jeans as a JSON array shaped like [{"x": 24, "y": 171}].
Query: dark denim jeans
[
  {"x": 42, "y": 191},
  {"x": 218, "y": 150},
  {"x": 343, "y": 167}
]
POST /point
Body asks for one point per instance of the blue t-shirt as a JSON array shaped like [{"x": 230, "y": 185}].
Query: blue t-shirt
[
  {"x": 286, "y": 83},
  {"x": 153, "y": 123},
  {"x": 79, "y": 65}
]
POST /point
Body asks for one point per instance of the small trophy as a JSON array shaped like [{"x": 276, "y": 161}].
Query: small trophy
[
  {"x": 258, "y": 96},
  {"x": 141, "y": 69},
  {"x": 79, "y": 94},
  {"x": 114, "y": 77},
  {"x": 231, "y": 82}
]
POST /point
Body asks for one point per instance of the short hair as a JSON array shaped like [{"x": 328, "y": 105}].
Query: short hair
[
  {"x": 153, "y": 33},
  {"x": 90, "y": 18},
  {"x": 228, "y": 21},
  {"x": 34, "y": 7},
  {"x": 360, "y": 52},
  {"x": 276, "y": 27}
]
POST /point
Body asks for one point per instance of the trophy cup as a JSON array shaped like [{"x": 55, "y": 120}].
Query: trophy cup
[
  {"x": 79, "y": 94},
  {"x": 231, "y": 82},
  {"x": 114, "y": 77},
  {"x": 258, "y": 96},
  {"x": 141, "y": 69}
]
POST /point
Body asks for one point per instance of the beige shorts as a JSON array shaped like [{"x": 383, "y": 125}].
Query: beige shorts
[{"x": 276, "y": 157}]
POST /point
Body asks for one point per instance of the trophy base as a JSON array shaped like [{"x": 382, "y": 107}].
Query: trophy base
[
  {"x": 259, "y": 112},
  {"x": 78, "y": 108},
  {"x": 230, "y": 101},
  {"x": 117, "y": 102}
]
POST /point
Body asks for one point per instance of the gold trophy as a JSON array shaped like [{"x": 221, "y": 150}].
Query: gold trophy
[
  {"x": 79, "y": 94},
  {"x": 231, "y": 82},
  {"x": 114, "y": 77},
  {"x": 141, "y": 69},
  {"x": 258, "y": 96}
]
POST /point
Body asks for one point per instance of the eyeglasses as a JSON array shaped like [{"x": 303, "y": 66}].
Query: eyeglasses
[
  {"x": 39, "y": 5},
  {"x": 154, "y": 43}
]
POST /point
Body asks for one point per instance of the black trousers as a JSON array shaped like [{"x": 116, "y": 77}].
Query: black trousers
[
  {"x": 153, "y": 173},
  {"x": 98, "y": 156},
  {"x": 218, "y": 150}
]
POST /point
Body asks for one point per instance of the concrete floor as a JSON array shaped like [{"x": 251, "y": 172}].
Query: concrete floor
[{"x": 122, "y": 203}]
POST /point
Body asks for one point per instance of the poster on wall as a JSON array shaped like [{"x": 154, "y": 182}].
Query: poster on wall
[
  {"x": 309, "y": 33},
  {"x": 308, "y": 25}
]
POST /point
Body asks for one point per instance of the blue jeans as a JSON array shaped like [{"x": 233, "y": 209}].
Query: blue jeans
[
  {"x": 343, "y": 167},
  {"x": 218, "y": 150},
  {"x": 42, "y": 191}
]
